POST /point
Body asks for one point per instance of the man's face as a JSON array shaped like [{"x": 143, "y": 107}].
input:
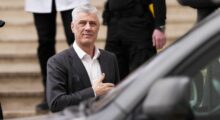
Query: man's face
[{"x": 85, "y": 28}]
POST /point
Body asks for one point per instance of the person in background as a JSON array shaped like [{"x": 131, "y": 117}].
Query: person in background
[
  {"x": 82, "y": 71},
  {"x": 44, "y": 13},
  {"x": 133, "y": 33}
]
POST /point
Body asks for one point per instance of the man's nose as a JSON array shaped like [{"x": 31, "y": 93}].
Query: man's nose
[{"x": 88, "y": 26}]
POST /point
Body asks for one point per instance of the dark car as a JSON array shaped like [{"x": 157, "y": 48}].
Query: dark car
[{"x": 180, "y": 83}]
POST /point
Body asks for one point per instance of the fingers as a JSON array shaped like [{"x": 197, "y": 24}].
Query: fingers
[
  {"x": 103, "y": 88},
  {"x": 101, "y": 78},
  {"x": 108, "y": 85},
  {"x": 154, "y": 40},
  {"x": 159, "y": 43},
  {"x": 158, "y": 39},
  {"x": 105, "y": 85}
]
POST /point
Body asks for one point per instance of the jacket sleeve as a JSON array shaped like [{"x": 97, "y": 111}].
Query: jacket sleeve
[
  {"x": 160, "y": 12},
  {"x": 57, "y": 93}
]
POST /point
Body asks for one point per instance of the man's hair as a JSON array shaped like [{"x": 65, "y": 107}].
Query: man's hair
[{"x": 87, "y": 8}]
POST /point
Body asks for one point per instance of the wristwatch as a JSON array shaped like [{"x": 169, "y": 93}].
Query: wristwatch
[{"x": 161, "y": 28}]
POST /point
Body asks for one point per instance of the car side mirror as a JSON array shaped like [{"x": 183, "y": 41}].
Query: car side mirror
[{"x": 168, "y": 99}]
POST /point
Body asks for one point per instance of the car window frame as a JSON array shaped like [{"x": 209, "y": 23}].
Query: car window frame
[{"x": 199, "y": 57}]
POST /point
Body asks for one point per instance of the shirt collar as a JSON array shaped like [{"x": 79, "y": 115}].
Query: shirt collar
[{"x": 82, "y": 54}]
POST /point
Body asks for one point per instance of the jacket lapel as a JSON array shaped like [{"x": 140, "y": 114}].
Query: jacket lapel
[
  {"x": 79, "y": 68},
  {"x": 103, "y": 65}
]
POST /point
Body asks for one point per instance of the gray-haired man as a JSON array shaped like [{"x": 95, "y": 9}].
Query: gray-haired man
[{"x": 82, "y": 71}]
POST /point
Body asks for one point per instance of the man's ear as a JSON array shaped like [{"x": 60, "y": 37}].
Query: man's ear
[{"x": 72, "y": 26}]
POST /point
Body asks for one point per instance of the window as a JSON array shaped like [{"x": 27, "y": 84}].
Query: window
[{"x": 205, "y": 86}]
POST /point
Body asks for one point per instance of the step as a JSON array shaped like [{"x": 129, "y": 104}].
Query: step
[
  {"x": 11, "y": 4},
  {"x": 21, "y": 114},
  {"x": 23, "y": 51},
  {"x": 20, "y": 85},
  {"x": 39, "y": 117},
  {"x": 20, "y": 106},
  {"x": 20, "y": 17},
  {"x": 181, "y": 15},
  {"x": 20, "y": 96},
  {"x": 19, "y": 70},
  {"x": 174, "y": 31},
  {"x": 172, "y": 3},
  {"x": 25, "y": 33},
  {"x": 20, "y": 93}
]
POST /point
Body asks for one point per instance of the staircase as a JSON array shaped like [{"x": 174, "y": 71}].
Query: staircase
[
  {"x": 20, "y": 81},
  {"x": 179, "y": 20}
]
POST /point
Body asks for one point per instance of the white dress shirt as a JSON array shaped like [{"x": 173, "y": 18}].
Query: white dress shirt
[
  {"x": 91, "y": 64},
  {"x": 45, "y": 6}
]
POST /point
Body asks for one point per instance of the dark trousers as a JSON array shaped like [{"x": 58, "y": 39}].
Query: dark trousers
[
  {"x": 130, "y": 39},
  {"x": 46, "y": 31}
]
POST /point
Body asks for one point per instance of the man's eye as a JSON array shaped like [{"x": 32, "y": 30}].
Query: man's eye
[
  {"x": 92, "y": 23},
  {"x": 82, "y": 23}
]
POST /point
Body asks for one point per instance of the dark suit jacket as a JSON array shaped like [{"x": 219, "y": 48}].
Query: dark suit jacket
[{"x": 68, "y": 82}]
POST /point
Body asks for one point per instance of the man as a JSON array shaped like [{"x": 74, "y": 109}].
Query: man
[
  {"x": 134, "y": 33},
  {"x": 82, "y": 71},
  {"x": 44, "y": 15}
]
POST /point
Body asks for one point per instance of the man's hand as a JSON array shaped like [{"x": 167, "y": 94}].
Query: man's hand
[
  {"x": 101, "y": 88},
  {"x": 159, "y": 39}
]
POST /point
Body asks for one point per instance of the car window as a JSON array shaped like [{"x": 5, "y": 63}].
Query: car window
[{"x": 205, "y": 84}]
